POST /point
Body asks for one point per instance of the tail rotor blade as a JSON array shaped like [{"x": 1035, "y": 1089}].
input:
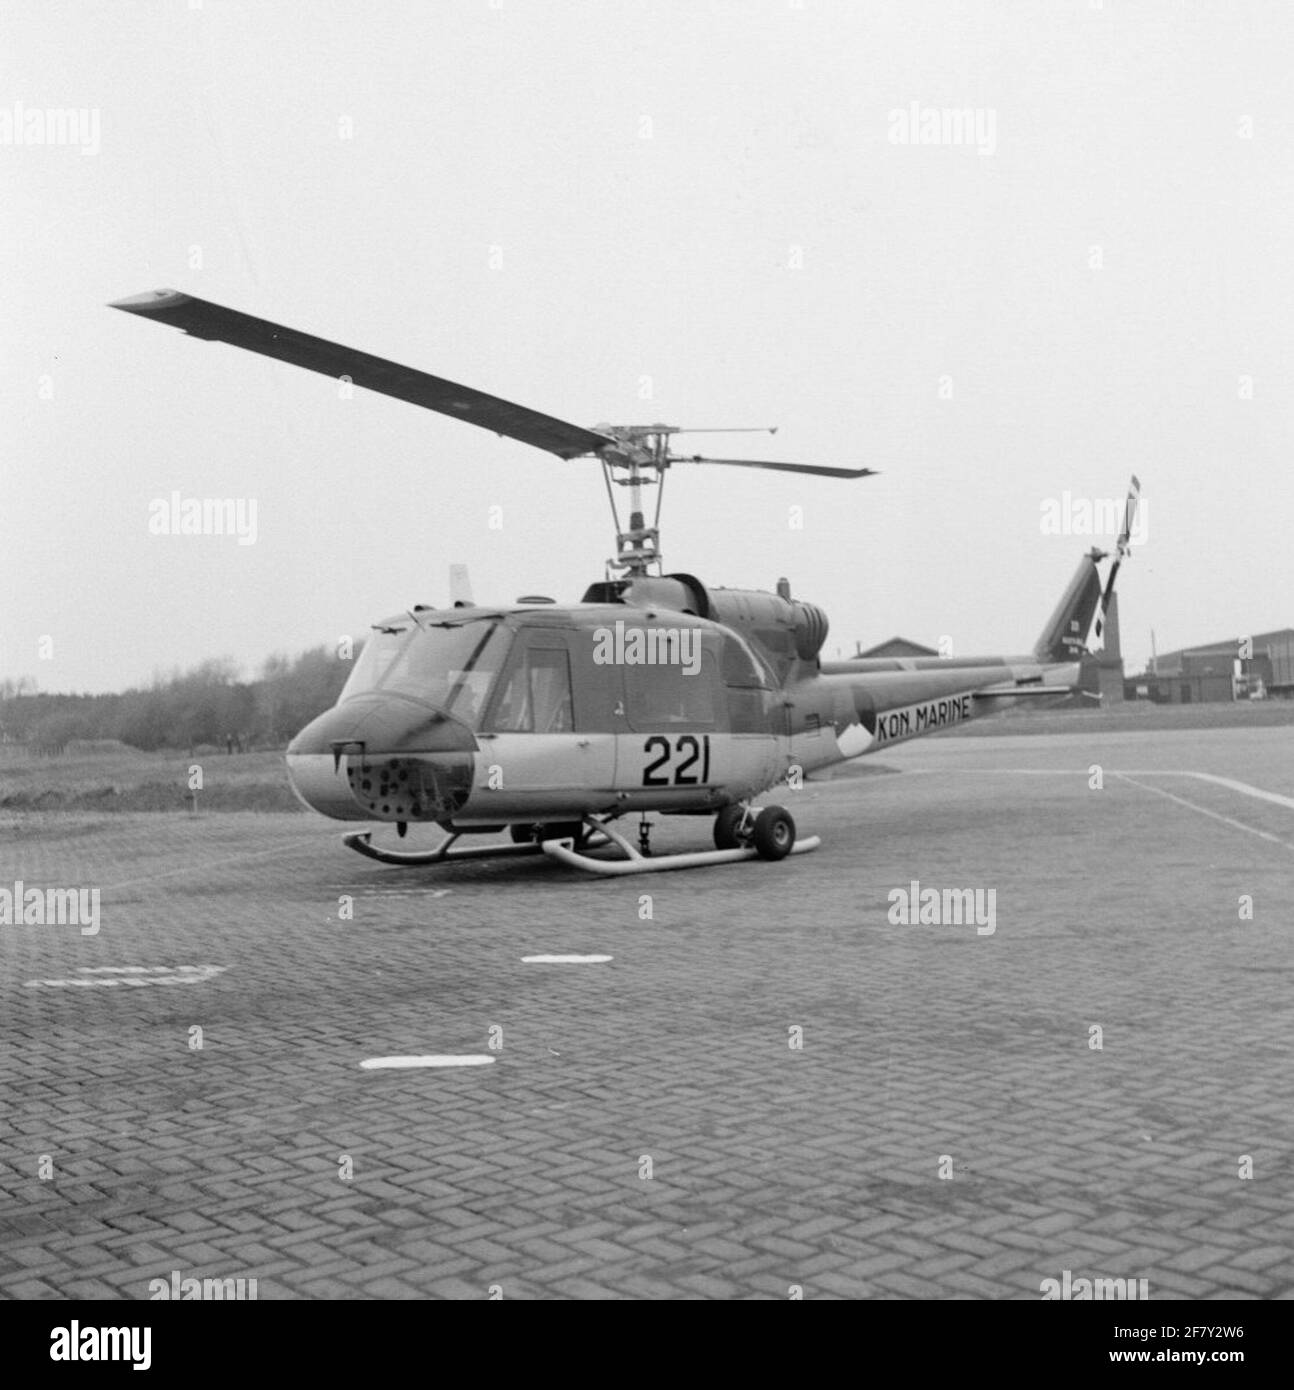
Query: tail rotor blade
[{"x": 1121, "y": 548}]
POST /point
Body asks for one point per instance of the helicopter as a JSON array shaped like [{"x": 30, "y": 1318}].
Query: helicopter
[{"x": 655, "y": 694}]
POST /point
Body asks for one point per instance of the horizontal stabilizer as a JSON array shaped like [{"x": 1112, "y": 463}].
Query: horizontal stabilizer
[{"x": 996, "y": 692}]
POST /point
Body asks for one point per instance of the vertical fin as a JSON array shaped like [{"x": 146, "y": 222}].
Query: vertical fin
[
  {"x": 460, "y": 587},
  {"x": 1065, "y": 636}
]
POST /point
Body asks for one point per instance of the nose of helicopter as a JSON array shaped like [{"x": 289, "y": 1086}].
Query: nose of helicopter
[{"x": 383, "y": 757}]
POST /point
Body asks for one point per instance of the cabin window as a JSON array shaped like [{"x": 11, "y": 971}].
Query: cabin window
[
  {"x": 740, "y": 668},
  {"x": 536, "y": 698},
  {"x": 662, "y": 697}
]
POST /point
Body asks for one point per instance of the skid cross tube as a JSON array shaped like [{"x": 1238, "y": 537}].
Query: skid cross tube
[
  {"x": 564, "y": 852},
  {"x": 361, "y": 842}
]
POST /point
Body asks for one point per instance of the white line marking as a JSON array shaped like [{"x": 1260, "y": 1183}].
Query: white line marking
[
  {"x": 1243, "y": 787},
  {"x": 565, "y": 960},
  {"x": 111, "y": 976},
  {"x": 1204, "y": 811},
  {"x": 143, "y": 969},
  {"x": 404, "y": 891},
  {"x": 476, "y": 1059}
]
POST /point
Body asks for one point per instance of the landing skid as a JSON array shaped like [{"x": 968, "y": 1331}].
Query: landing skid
[
  {"x": 635, "y": 863},
  {"x": 361, "y": 841},
  {"x": 564, "y": 852}
]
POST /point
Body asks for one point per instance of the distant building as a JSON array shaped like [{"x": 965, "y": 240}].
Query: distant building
[
  {"x": 896, "y": 646},
  {"x": 1216, "y": 671}
]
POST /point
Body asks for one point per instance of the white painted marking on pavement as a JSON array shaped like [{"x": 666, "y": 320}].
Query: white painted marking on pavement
[
  {"x": 476, "y": 1059},
  {"x": 565, "y": 960},
  {"x": 1243, "y": 787},
  {"x": 1204, "y": 811},
  {"x": 110, "y": 976},
  {"x": 404, "y": 891}
]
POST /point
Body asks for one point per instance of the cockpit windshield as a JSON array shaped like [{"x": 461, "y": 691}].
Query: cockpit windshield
[{"x": 449, "y": 667}]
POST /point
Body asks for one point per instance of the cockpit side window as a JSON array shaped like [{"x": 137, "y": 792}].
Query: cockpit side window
[
  {"x": 536, "y": 697},
  {"x": 375, "y": 658}
]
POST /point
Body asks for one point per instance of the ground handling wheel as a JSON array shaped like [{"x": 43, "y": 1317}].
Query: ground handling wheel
[
  {"x": 727, "y": 827},
  {"x": 774, "y": 833}
]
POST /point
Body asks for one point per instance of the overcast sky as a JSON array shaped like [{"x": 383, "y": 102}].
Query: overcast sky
[{"x": 702, "y": 213}]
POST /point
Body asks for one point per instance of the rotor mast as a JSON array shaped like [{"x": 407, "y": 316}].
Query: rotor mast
[{"x": 638, "y": 459}]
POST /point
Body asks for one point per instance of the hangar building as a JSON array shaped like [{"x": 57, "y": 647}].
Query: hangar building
[{"x": 1216, "y": 671}]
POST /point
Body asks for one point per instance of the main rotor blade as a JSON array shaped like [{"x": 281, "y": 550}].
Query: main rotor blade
[
  {"x": 201, "y": 319},
  {"x": 818, "y": 469}
]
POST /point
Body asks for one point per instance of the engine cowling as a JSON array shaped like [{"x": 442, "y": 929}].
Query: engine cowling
[
  {"x": 810, "y": 629},
  {"x": 787, "y": 629}
]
